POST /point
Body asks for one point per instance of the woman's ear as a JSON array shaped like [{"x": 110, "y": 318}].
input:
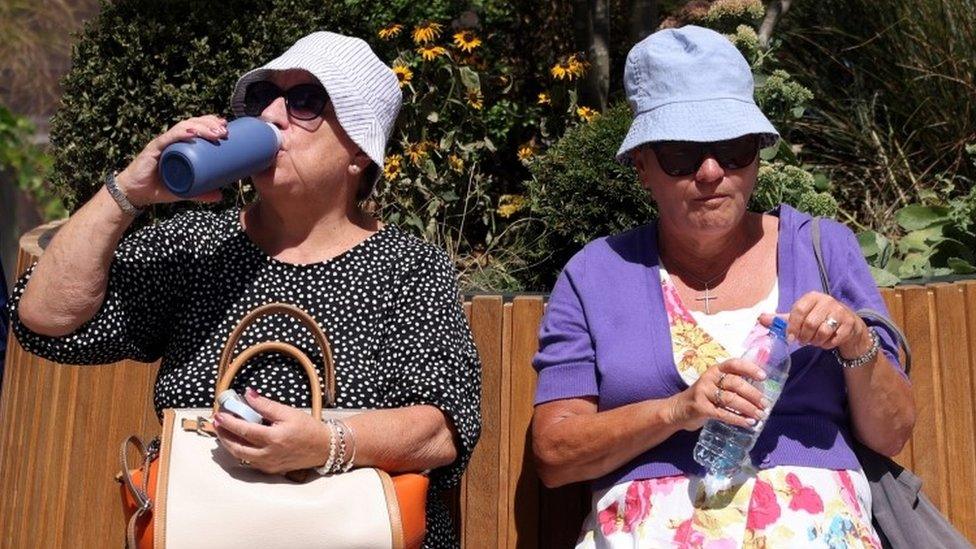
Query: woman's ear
[
  {"x": 637, "y": 156},
  {"x": 359, "y": 163}
]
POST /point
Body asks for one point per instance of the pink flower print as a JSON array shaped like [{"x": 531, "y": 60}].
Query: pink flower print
[
  {"x": 608, "y": 519},
  {"x": 725, "y": 543},
  {"x": 637, "y": 504},
  {"x": 757, "y": 337},
  {"x": 685, "y": 536},
  {"x": 672, "y": 302},
  {"x": 847, "y": 492},
  {"x": 665, "y": 485},
  {"x": 763, "y": 509},
  {"x": 803, "y": 497}
]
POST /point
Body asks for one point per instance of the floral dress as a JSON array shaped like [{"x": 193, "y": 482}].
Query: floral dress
[{"x": 784, "y": 506}]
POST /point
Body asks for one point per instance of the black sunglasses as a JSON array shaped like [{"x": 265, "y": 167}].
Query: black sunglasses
[
  {"x": 304, "y": 101},
  {"x": 685, "y": 157}
]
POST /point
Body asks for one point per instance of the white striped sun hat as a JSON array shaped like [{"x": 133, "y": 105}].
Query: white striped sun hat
[{"x": 364, "y": 91}]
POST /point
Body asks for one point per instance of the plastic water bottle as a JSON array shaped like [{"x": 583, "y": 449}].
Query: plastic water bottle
[
  {"x": 192, "y": 168},
  {"x": 722, "y": 448}
]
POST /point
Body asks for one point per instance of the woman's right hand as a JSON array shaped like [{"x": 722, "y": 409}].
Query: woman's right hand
[
  {"x": 722, "y": 392},
  {"x": 140, "y": 180}
]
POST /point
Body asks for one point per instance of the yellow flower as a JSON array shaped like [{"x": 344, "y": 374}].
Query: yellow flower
[
  {"x": 586, "y": 114},
  {"x": 430, "y": 52},
  {"x": 418, "y": 151},
  {"x": 569, "y": 68},
  {"x": 544, "y": 99},
  {"x": 475, "y": 100},
  {"x": 525, "y": 152},
  {"x": 466, "y": 40},
  {"x": 391, "y": 30},
  {"x": 391, "y": 167},
  {"x": 428, "y": 31},
  {"x": 403, "y": 74},
  {"x": 697, "y": 349},
  {"x": 455, "y": 163},
  {"x": 510, "y": 204}
]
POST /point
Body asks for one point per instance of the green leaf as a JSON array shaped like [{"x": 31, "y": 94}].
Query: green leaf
[
  {"x": 883, "y": 277},
  {"x": 821, "y": 182},
  {"x": 960, "y": 266},
  {"x": 470, "y": 79},
  {"x": 870, "y": 242},
  {"x": 916, "y": 216},
  {"x": 768, "y": 154},
  {"x": 914, "y": 265},
  {"x": 797, "y": 112}
]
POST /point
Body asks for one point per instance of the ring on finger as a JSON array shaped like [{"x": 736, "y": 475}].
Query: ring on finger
[
  {"x": 245, "y": 463},
  {"x": 832, "y": 322},
  {"x": 718, "y": 397},
  {"x": 721, "y": 378}
]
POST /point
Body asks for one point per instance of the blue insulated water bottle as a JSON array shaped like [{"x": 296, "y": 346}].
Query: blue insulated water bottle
[{"x": 193, "y": 168}]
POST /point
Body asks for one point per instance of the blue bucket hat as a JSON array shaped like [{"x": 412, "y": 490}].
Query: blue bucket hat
[{"x": 690, "y": 84}]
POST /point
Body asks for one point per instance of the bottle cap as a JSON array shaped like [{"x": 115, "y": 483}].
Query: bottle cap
[{"x": 778, "y": 328}]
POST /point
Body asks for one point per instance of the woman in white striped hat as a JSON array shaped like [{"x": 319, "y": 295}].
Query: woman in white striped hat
[{"x": 173, "y": 291}]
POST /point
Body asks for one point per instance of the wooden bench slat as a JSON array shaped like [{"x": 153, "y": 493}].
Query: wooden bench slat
[{"x": 957, "y": 391}]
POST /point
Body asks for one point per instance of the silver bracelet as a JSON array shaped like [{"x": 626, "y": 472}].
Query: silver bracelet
[
  {"x": 329, "y": 463},
  {"x": 857, "y": 362},
  {"x": 120, "y": 198}
]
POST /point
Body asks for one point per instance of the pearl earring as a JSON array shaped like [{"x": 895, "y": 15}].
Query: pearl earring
[{"x": 354, "y": 169}]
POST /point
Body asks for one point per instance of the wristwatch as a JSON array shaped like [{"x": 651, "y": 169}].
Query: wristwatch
[
  {"x": 866, "y": 357},
  {"x": 120, "y": 198}
]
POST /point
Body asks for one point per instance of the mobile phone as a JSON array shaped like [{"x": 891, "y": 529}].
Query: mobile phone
[{"x": 232, "y": 403}]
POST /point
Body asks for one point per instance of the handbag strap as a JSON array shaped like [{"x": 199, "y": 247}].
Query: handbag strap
[
  {"x": 867, "y": 314},
  {"x": 140, "y": 494},
  {"x": 328, "y": 365},
  {"x": 274, "y": 347}
]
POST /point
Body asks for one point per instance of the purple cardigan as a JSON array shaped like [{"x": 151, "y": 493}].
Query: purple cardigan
[{"x": 605, "y": 335}]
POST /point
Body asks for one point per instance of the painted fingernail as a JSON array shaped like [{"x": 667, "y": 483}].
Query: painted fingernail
[
  {"x": 751, "y": 421},
  {"x": 765, "y": 403},
  {"x": 760, "y": 374},
  {"x": 251, "y": 392}
]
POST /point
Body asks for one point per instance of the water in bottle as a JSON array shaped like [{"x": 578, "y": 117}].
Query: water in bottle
[
  {"x": 195, "y": 167},
  {"x": 722, "y": 448}
]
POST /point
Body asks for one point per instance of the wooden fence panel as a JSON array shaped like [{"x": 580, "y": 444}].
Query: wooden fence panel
[
  {"x": 482, "y": 489},
  {"x": 957, "y": 391},
  {"x": 920, "y": 329},
  {"x": 522, "y": 505}
]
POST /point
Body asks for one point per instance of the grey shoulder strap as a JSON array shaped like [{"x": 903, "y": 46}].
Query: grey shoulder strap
[{"x": 867, "y": 314}]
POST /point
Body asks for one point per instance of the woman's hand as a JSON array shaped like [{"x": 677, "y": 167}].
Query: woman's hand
[
  {"x": 293, "y": 441},
  {"x": 140, "y": 180},
  {"x": 820, "y": 320},
  {"x": 722, "y": 392}
]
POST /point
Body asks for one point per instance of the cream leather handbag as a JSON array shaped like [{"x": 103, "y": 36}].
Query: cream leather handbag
[{"x": 195, "y": 494}]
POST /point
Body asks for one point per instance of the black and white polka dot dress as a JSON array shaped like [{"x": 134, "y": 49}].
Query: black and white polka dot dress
[{"x": 389, "y": 307}]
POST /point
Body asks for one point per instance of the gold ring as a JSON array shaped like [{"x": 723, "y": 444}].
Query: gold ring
[
  {"x": 832, "y": 322},
  {"x": 718, "y": 397},
  {"x": 721, "y": 378},
  {"x": 245, "y": 463}
]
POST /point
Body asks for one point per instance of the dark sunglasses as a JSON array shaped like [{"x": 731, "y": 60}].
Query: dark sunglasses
[
  {"x": 304, "y": 101},
  {"x": 685, "y": 157}
]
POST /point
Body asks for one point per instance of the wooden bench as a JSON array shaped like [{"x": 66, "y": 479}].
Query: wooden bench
[{"x": 60, "y": 425}]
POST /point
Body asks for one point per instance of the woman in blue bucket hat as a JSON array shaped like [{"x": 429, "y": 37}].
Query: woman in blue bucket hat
[{"x": 639, "y": 343}]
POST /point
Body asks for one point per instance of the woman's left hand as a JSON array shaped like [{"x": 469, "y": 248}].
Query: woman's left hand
[
  {"x": 292, "y": 441},
  {"x": 820, "y": 320}
]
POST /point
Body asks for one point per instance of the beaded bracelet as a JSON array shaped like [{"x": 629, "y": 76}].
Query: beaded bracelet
[{"x": 330, "y": 462}]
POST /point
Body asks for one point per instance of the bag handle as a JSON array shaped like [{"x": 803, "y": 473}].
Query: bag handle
[
  {"x": 863, "y": 313},
  {"x": 328, "y": 365},
  {"x": 274, "y": 347},
  {"x": 139, "y": 494}
]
